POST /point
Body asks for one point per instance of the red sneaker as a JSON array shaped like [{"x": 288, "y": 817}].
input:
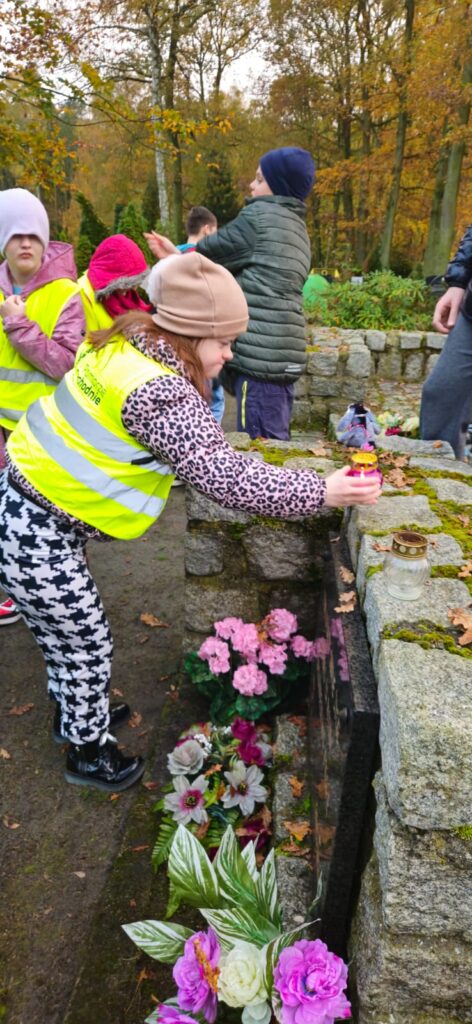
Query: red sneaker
[{"x": 8, "y": 612}]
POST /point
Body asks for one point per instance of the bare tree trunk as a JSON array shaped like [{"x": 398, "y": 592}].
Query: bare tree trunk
[
  {"x": 387, "y": 233},
  {"x": 430, "y": 261},
  {"x": 453, "y": 177},
  {"x": 156, "y": 86}
]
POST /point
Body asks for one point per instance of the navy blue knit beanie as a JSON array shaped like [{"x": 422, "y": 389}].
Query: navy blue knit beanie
[{"x": 289, "y": 171}]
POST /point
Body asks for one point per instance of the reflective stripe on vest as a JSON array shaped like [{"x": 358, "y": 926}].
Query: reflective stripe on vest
[
  {"x": 73, "y": 448},
  {"x": 85, "y": 472},
  {"x": 20, "y": 382}
]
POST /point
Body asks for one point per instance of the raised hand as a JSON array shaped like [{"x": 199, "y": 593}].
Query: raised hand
[{"x": 159, "y": 245}]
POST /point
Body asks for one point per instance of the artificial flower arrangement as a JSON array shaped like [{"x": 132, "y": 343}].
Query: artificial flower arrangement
[
  {"x": 218, "y": 776},
  {"x": 249, "y": 668},
  {"x": 398, "y": 423},
  {"x": 244, "y": 959}
]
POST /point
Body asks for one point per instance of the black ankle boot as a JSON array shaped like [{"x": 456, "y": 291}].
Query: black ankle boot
[
  {"x": 119, "y": 713},
  {"x": 102, "y": 766}
]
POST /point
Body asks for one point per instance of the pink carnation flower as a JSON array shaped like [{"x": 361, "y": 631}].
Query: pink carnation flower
[
  {"x": 311, "y": 982},
  {"x": 301, "y": 647},
  {"x": 196, "y": 974},
  {"x": 226, "y": 627},
  {"x": 245, "y": 640},
  {"x": 274, "y": 656},
  {"x": 216, "y": 653},
  {"x": 250, "y": 680},
  {"x": 280, "y": 624}
]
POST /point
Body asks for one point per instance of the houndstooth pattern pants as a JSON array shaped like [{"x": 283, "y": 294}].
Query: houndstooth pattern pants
[{"x": 44, "y": 569}]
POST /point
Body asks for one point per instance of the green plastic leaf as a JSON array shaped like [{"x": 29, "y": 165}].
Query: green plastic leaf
[
  {"x": 234, "y": 878},
  {"x": 162, "y": 941},
  {"x": 267, "y": 892},
  {"x": 237, "y": 923},
  {"x": 249, "y": 855},
  {"x": 191, "y": 871}
]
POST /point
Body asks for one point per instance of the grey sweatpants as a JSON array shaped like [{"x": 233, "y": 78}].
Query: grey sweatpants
[{"x": 446, "y": 401}]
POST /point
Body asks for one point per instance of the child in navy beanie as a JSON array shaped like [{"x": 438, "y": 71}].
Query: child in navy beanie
[
  {"x": 289, "y": 171},
  {"x": 267, "y": 248}
]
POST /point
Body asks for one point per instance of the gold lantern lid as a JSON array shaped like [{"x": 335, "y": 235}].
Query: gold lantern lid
[
  {"x": 407, "y": 544},
  {"x": 366, "y": 461}
]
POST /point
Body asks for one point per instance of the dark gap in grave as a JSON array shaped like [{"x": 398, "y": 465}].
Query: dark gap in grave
[{"x": 343, "y": 723}]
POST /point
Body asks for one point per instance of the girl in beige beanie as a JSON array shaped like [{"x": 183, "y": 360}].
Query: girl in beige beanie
[{"x": 98, "y": 457}]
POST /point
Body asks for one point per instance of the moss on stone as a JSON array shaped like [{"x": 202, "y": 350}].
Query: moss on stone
[
  {"x": 428, "y": 637},
  {"x": 463, "y": 832},
  {"x": 372, "y": 570}
]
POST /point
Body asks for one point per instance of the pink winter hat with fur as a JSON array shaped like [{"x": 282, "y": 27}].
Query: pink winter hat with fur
[
  {"x": 22, "y": 213},
  {"x": 117, "y": 263}
]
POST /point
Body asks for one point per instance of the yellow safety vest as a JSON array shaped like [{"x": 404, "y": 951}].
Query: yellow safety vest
[
  {"x": 96, "y": 316},
  {"x": 20, "y": 382},
  {"x": 74, "y": 449}
]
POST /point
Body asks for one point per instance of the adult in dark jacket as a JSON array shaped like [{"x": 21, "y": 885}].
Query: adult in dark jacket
[
  {"x": 267, "y": 249},
  {"x": 446, "y": 402}
]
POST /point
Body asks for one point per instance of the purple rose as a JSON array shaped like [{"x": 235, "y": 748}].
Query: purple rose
[
  {"x": 170, "y": 1015},
  {"x": 311, "y": 982},
  {"x": 251, "y": 753},
  {"x": 196, "y": 974},
  {"x": 243, "y": 730}
]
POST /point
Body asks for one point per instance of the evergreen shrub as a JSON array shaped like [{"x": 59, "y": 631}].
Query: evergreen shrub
[{"x": 383, "y": 302}]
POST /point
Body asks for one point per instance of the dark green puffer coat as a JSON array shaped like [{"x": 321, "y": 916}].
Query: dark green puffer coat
[{"x": 267, "y": 249}]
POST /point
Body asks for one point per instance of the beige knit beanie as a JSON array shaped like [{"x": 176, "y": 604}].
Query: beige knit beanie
[{"x": 196, "y": 297}]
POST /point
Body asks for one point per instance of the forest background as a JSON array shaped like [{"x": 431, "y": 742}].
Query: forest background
[{"x": 121, "y": 115}]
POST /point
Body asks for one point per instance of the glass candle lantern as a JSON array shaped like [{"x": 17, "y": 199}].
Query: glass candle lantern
[
  {"x": 364, "y": 464},
  {"x": 406, "y": 566}
]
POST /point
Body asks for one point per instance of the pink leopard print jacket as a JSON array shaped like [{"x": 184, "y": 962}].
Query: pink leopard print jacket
[{"x": 168, "y": 416}]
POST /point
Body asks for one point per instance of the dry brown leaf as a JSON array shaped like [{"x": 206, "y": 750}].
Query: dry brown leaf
[
  {"x": 296, "y": 785},
  {"x": 4, "y": 754},
  {"x": 142, "y": 639},
  {"x": 298, "y": 829},
  {"x": 22, "y": 709},
  {"x": 437, "y": 444},
  {"x": 135, "y": 720},
  {"x": 113, "y": 797},
  {"x": 151, "y": 620},
  {"x": 145, "y": 975},
  {"x": 466, "y": 570},
  {"x": 265, "y": 816},
  {"x": 396, "y": 478},
  {"x": 462, "y": 617},
  {"x": 116, "y": 692},
  {"x": 151, "y": 786},
  {"x": 300, "y": 723},
  {"x": 400, "y": 461},
  {"x": 322, "y": 789},
  {"x": 380, "y": 547},
  {"x": 139, "y": 849},
  {"x": 325, "y": 833},
  {"x": 202, "y": 829},
  {"x": 346, "y": 575},
  {"x": 9, "y": 823},
  {"x": 348, "y": 601},
  {"x": 465, "y": 520},
  {"x": 211, "y": 771},
  {"x": 320, "y": 453},
  {"x": 296, "y": 851}
]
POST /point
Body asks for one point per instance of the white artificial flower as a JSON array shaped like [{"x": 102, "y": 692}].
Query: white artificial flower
[
  {"x": 244, "y": 789},
  {"x": 187, "y": 757},
  {"x": 241, "y": 978},
  {"x": 187, "y": 803},
  {"x": 259, "y": 1014}
]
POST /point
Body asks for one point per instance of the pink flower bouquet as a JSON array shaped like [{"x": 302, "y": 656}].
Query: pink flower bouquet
[{"x": 247, "y": 669}]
